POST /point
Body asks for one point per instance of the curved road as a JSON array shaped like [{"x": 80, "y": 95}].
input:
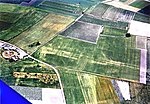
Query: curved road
[{"x": 3, "y": 44}]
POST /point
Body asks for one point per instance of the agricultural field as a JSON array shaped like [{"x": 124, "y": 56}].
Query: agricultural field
[
  {"x": 140, "y": 4},
  {"x": 58, "y": 7},
  {"x": 42, "y": 32},
  {"x": 28, "y": 66},
  {"x": 106, "y": 58},
  {"x": 12, "y": 8},
  {"x": 115, "y": 24},
  {"x": 20, "y": 18},
  {"x": 113, "y": 31},
  {"x": 82, "y": 89},
  {"x": 84, "y": 31},
  {"x": 80, "y": 3},
  {"x": 99, "y": 10},
  {"x": 142, "y": 18},
  {"x": 108, "y": 12}
]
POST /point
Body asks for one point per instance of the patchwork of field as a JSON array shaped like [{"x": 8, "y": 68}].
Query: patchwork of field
[
  {"x": 26, "y": 69},
  {"x": 59, "y": 7},
  {"x": 81, "y": 3},
  {"x": 84, "y": 31},
  {"x": 108, "y": 12},
  {"x": 42, "y": 32},
  {"x": 19, "y": 18},
  {"x": 81, "y": 88},
  {"x": 112, "y": 56},
  {"x": 118, "y": 24},
  {"x": 69, "y": 7}
]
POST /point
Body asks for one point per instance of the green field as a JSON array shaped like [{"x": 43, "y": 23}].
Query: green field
[
  {"x": 42, "y": 32},
  {"x": 116, "y": 32},
  {"x": 140, "y": 4},
  {"x": 112, "y": 56},
  {"x": 29, "y": 66},
  {"x": 118, "y": 24},
  {"x": 142, "y": 18},
  {"x": 21, "y": 18},
  {"x": 81, "y": 88}
]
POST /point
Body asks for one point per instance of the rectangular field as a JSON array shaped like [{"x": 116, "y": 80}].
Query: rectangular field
[
  {"x": 140, "y": 4},
  {"x": 84, "y": 31},
  {"x": 42, "y": 32},
  {"x": 83, "y": 89},
  {"x": 113, "y": 57},
  {"x": 117, "y": 24}
]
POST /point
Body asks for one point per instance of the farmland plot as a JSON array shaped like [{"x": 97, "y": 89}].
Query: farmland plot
[
  {"x": 111, "y": 13},
  {"x": 113, "y": 57},
  {"x": 84, "y": 31},
  {"x": 142, "y": 18},
  {"x": 99, "y": 10},
  {"x": 140, "y": 4},
  {"x": 42, "y": 32},
  {"x": 28, "y": 66},
  {"x": 87, "y": 89},
  {"x": 125, "y": 16},
  {"x": 115, "y": 24},
  {"x": 21, "y": 18}
]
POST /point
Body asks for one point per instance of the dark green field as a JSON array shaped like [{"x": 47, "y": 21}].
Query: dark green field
[
  {"x": 21, "y": 18},
  {"x": 140, "y": 4}
]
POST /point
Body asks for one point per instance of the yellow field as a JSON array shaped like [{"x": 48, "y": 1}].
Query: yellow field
[
  {"x": 97, "y": 90},
  {"x": 42, "y": 32}
]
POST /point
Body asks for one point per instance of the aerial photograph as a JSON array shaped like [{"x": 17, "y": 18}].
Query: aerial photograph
[{"x": 75, "y": 51}]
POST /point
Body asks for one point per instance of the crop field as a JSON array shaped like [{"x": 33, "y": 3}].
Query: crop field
[
  {"x": 111, "y": 13},
  {"x": 107, "y": 12},
  {"x": 42, "y": 32},
  {"x": 113, "y": 57},
  {"x": 99, "y": 10},
  {"x": 118, "y": 24},
  {"x": 125, "y": 16},
  {"x": 142, "y": 18},
  {"x": 80, "y": 3},
  {"x": 113, "y": 31},
  {"x": 21, "y": 18},
  {"x": 60, "y": 7},
  {"x": 117, "y": 14},
  {"x": 83, "y": 31},
  {"x": 4, "y": 25},
  {"x": 10, "y": 16},
  {"x": 140, "y": 4},
  {"x": 97, "y": 90},
  {"x": 12, "y": 8},
  {"x": 82, "y": 88},
  {"x": 72, "y": 88},
  {"x": 7, "y": 70}
]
